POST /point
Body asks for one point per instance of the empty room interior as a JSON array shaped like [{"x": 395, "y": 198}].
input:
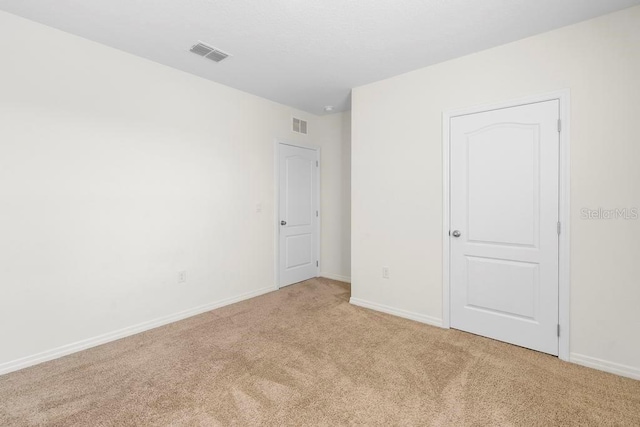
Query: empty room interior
[{"x": 321, "y": 212}]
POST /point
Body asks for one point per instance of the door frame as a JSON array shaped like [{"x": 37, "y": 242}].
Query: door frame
[
  {"x": 277, "y": 143},
  {"x": 564, "y": 241}
]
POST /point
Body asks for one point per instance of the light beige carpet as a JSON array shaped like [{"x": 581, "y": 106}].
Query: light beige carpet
[{"x": 304, "y": 356}]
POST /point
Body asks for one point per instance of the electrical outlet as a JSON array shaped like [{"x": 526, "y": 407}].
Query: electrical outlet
[
  {"x": 182, "y": 276},
  {"x": 385, "y": 272}
]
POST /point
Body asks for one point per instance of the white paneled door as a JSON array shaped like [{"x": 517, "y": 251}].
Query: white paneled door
[
  {"x": 504, "y": 224},
  {"x": 299, "y": 213}
]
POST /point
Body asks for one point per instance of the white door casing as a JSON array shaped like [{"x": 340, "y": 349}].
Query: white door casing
[
  {"x": 504, "y": 202},
  {"x": 298, "y": 208}
]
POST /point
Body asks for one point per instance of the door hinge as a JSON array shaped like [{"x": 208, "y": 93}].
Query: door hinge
[
  {"x": 558, "y": 329},
  {"x": 559, "y": 227},
  {"x": 317, "y": 214},
  {"x": 559, "y": 125},
  {"x": 317, "y": 163},
  {"x": 317, "y": 263}
]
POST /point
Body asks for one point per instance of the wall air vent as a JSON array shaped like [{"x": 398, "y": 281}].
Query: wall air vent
[
  {"x": 299, "y": 126},
  {"x": 216, "y": 55}
]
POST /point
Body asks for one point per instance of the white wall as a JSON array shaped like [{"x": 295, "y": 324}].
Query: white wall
[
  {"x": 335, "y": 139},
  {"x": 397, "y": 175},
  {"x": 115, "y": 174}
]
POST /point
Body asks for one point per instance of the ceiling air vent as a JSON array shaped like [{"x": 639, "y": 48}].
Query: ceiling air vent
[
  {"x": 216, "y": 55},
  {"x": 299, "y": 126}
]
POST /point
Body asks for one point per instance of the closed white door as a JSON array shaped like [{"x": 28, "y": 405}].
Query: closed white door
[
  {"x": 299, "y": 214},
  {"x": 504, "y": 224}
]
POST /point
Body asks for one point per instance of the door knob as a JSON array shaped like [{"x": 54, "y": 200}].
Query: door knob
[
  {"x": 283, "y": 222},
  {"x": 456, "y": 233}
]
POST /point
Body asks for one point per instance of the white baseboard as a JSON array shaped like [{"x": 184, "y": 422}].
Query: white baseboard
[
  {"x": 604, "y": 365},
  {"x": 422, "y": 318},
  {"x": 24, "y": 362},
  {"x": 337, "y": 277}
]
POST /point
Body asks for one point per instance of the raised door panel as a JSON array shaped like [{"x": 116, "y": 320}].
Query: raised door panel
[
  {"x": 503, "y": 196},
  {"x": 299, "y": 191}
]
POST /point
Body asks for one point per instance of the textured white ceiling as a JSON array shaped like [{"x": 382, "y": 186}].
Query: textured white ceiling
[{"x": 307, "y": 53}]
